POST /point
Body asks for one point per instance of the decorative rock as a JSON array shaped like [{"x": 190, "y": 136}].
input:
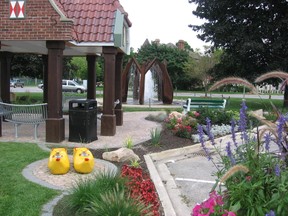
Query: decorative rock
[
  {"x": 175, "y": 114},
  {"x": 259, "y": 113},
  {"x": 120, "y": 155}
]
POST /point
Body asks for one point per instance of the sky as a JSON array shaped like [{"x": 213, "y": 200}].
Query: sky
[{"x": 166, "y": 20}]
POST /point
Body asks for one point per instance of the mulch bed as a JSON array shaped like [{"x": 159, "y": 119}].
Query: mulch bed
[{"x": 168, "y": 141}]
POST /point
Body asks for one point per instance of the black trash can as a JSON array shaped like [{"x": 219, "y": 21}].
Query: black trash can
[{"x": 82, "y": 120}]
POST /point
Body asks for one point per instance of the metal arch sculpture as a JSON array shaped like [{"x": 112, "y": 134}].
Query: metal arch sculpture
[
  {"x": 165, "y": 88},
  {"x": 126, "y": 77}
]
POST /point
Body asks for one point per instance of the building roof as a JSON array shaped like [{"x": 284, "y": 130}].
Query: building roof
[
  {"x": 86, "y": 26},
  {"x": 94, "y": 20}
]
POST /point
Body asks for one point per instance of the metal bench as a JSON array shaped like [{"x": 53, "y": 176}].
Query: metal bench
[
  {"x": 24, "y": 114},
  {"x": 192, "y": 103}
]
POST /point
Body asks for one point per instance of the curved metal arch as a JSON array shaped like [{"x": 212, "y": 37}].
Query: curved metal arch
[{"x": 166, "y": 84}]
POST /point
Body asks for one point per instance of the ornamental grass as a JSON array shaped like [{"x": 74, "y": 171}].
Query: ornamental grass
[{"x": 252, "y": 174}]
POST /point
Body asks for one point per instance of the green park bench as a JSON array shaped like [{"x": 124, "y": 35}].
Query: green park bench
[{"x": 196, "y": 103}]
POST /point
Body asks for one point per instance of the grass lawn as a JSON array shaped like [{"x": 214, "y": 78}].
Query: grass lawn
[
  {"x": 254, "y": 104},
  {"x": 232, "y": 104},
  {"x": 19, "y": 196}
]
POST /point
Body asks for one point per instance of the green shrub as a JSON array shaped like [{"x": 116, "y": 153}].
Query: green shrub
[
  {"x": 90, "y": 190},
  {"x": 155, "y": 136},
  {"x": 128, "y": 143},
  {"x": 118, "y": 202},
  {"x": 135, "y": 163},
  {"x": 28, "y": 98},
  {"x": 217, "y": 116}
]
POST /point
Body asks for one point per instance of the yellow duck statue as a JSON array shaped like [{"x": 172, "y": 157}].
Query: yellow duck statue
[
  {"x": 83, "y": 160},
  {"x": 58, "y": 161}
]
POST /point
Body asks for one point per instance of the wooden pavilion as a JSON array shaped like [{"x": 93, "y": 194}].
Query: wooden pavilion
[{"x": 57, "y": 28}]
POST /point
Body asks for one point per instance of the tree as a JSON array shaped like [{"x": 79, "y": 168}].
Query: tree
[
  {"x": 252, "y": 33},
  {"x": 68, "y": 67},
  {"x": 79, "y": 68},
  {"x": 174, "y": 57},
  {"x": 31, "y": 65},
  {"x": 200, "y": 68},
  {"x": 26, "y": 65}
]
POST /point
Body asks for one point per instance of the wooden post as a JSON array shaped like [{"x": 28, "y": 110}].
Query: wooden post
[
  {"x": 118, "y": 89},
  {"x": 91, "y": 83},
  {"x": 5, "y": 68},
  {"x": 5, "y": 71},
  {"x": 55, "y": 124},
  {"x": 45, "y": 78},
  {"x": 108, "y": 119}
]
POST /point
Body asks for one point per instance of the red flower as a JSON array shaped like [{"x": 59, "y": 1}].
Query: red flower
[{"x": 140, "y": 185}]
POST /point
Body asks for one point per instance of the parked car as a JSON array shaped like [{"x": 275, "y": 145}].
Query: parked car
[
  {"x": 69, "y": 86},
  {"x": 16, "y": 83}
]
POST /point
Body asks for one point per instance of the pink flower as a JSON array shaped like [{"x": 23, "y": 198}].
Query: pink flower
[
  {"x": 196, "y": 114},
  {"x": 197, "y": 211},
  {"x": 217, "y": 198},
  {"x": 209, "y": 206},
  {"x": 229, "y": 213}
]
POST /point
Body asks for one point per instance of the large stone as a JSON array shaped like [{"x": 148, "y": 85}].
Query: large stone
[
  {"x": 259, "y": 113},
  {"x": 175, "y": 114},
  {"x": 121, "y": 155}
]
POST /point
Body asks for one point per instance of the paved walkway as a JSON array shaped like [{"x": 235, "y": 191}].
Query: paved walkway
[{"x": 134, "y": 126}]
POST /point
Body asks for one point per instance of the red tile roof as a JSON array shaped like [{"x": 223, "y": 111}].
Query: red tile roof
[{"x": 94, "y": 20}]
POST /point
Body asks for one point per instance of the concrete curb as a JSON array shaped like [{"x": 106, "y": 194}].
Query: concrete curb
[
  {"x": 28, "y": 174},
  {"x": 169, "y": 193},
  {"x": 48, "y": 208},
  {"x": 161, "y": 190}
]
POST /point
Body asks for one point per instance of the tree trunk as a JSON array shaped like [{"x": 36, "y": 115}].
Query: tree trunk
[
  {"x": 285, "y": 103},
  {"x": 206, "y": 89}
]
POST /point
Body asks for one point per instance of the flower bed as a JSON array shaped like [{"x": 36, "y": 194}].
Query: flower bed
[
  {"x": 252, "y": 179},
  {"x": 140, "y": 185},
  {"x": 185, "y": 125},
  {"x": 182, "y": 125}
]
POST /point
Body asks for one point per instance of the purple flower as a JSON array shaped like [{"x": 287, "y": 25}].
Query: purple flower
[
  {"x": 243, "y": 122},
  {"x": 201, "y": 138},
  {"x": 271, "y": 213},
  {"x": 280, "y": 130},
  {"x": 233, "y": 132},
  {"x": 277, "y": 170},
  {"x": 267, "y": 140},
  {"x": 229, "y": 153},
  {"x": 208, "y": 128}
]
